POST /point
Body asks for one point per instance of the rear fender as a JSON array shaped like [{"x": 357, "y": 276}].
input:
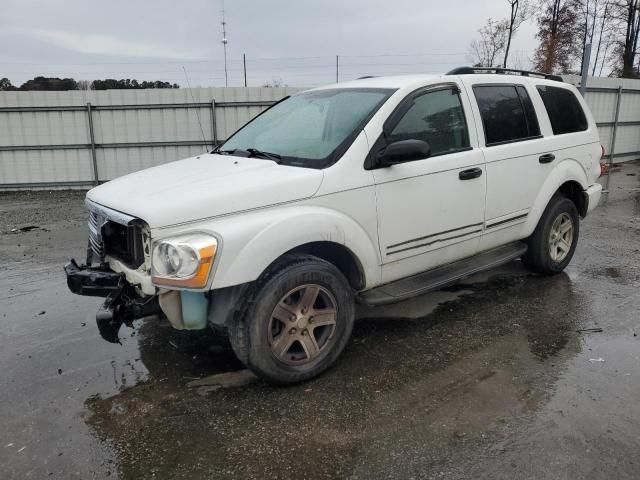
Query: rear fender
[{"x": 565, "y": 171}]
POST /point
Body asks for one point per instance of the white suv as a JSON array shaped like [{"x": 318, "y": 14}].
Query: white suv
[{"x": 373, "y": 190}]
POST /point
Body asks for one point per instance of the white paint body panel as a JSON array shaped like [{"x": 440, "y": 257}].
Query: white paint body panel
[
  {"x": 205, "y": 186},
  {"x": 260, "y": 210}
]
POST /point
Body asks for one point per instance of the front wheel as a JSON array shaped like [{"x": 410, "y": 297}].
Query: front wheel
[
  {"x": 297, "y": 320},
  {"x": 553, "y": 242}
]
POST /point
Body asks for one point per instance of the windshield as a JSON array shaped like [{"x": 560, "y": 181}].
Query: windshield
[{"x": 311, "y": 129}]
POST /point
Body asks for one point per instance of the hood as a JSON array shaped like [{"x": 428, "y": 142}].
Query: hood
[{"x": 205, "y": 186}]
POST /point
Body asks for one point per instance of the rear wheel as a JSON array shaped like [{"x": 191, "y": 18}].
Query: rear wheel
[
  {"x": 296, "y": 322},
  {"x": 553, "y": 242}
]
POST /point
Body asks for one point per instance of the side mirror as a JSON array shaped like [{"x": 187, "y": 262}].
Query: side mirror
[{"x": 404, "y": 151}]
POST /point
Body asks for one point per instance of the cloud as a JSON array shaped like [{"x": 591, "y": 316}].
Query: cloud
[{"x": 107, "y": 45}]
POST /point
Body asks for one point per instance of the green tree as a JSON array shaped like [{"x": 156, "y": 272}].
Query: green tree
[
  {"x": 127, "y": 83},
  {"x": 50, "y": 84},
  {"x": 5, "y": 84}
]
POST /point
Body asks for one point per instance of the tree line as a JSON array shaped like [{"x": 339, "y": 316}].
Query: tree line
[
  {"x": 565, "y": 28},
  {"x": 57, "y": 84}
]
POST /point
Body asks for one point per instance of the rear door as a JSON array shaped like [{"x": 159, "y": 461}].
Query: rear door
[{"x": 516, "y": 163}]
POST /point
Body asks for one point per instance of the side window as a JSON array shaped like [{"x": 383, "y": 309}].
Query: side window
[
  {"x": 507, "y": 113},
  {"x": 438, "y": 119},
  {"x": 564, "y": 110}
]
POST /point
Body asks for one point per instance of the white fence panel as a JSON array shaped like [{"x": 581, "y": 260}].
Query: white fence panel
[
  {"x": 602, "y": 97},
  {"x": 45, "y": 137}
]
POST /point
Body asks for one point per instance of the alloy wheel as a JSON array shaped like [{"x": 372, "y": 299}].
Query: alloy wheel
[
  {"x": 560, "y": 237},
  {"x": 303, "y": 324}
]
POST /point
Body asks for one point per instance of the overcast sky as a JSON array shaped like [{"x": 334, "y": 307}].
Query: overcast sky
[{"x": 295, "y": 41}]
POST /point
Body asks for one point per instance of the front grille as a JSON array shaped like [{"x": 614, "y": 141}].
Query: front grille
[
  {"x": 96, "y": 221},
  {"x": 115, "y": 234}
]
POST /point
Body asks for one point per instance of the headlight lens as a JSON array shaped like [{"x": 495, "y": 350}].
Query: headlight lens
[{"x": 183, "y": 261}]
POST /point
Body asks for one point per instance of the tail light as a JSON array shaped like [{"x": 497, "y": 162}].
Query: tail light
[{"x": 603, "y": 167}]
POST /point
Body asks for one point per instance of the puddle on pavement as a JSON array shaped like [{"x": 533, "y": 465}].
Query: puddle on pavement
[
  {"x": 440, "y": 378},
  {"x": 449, "y": 380}
]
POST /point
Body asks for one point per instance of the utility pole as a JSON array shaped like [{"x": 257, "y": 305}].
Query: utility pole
[
  {"x": 586, "y": 58},
  {"x": 244, "y": 68},
  {"x": 224, "y": 44},
  {"x": 337, "y": 69}
]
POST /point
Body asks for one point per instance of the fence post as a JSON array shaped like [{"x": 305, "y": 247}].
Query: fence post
[
  {"x": 214, "y": 130},
  {"x": 96, "y": 177},
  {"x": 244, "y": 68},
  {"x": 613, "y": 139}
]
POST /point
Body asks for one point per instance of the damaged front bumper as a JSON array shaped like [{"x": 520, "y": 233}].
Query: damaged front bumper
[{"x": 122, "y": 303}]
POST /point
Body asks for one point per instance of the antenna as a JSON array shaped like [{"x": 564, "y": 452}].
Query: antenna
[
  {"x": 224, "y": 45},
  {"x": 193, "y": 100}
]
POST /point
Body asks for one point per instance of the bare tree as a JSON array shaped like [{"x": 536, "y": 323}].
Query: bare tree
[
  {"x": 493, "y": 38},
  {"x": 585, "y": 13},
  {"x": 520, "y": 60},
  {"x": 604, "y": 56},
  {"x": 558, "y": 32},
  {"x": 628, "y": 11},
  {"x": 604, "y": 32},
  {"x": 275, "y": 83},
  {"x": 518, "y": 14},
  {"x": 596, "y": 24},
  {"x": 84, "y": 84}
]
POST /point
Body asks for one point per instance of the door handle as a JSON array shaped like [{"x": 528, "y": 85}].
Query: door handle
[
  {"x": 469, "y": 174},
  {"x": 546, "y": 158}
]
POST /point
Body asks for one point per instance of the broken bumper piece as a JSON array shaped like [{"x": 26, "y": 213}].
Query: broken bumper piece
[
  {"x": 122, "y": 305},
  {"x": 93, "y": 282}
]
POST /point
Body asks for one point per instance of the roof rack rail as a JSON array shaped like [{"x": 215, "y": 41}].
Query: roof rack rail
[
  {"x": 500, "y": 70},
  {"x": 366, "y": 76}
]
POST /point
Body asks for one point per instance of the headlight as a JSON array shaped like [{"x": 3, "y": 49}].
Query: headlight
[{"x": 183, "y": 261}]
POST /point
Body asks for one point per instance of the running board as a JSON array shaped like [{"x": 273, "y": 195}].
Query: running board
[{"x": 442, "y": 276}]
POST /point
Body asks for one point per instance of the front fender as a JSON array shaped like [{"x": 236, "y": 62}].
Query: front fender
[
  {"x": 566, "y": 170},
  {"x": 252, "y": 242}
]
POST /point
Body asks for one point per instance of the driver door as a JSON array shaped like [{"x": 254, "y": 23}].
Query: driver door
[{"x": 431, "y": 210}]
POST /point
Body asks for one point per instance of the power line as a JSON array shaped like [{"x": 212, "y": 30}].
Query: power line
[{"x": 250, "y": 58}]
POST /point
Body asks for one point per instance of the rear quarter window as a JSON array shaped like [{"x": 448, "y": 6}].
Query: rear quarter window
[
  {"x": 564, "y": 109},
  {"x": 507, "y": 113}
]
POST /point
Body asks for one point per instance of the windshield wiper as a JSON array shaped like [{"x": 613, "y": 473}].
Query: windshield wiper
[
  {"x": 223, "y": 152},
  {"x": 268, "y": 155},
  {"x": 250, "y": 152}
]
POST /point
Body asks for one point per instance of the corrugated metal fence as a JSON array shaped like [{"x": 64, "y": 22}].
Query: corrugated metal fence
[
  {"x": 78, "y": 138},
  {"x": 615, "y": 104}
]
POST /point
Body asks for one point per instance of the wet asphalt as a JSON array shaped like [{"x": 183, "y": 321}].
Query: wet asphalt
[{"x": 494, "y": 378}]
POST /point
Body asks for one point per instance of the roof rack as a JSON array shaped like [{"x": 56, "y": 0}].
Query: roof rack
[{"x": 500, "y": 70}]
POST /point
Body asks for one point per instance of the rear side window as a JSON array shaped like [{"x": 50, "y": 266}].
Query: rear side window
[
  {"x": 507, "y": 113},
  {"x": 564, "y": 110}
]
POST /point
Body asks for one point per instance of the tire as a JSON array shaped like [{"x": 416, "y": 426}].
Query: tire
[
  {"x": 295, "y": 341},
  {"x": 549, "y": 250}
]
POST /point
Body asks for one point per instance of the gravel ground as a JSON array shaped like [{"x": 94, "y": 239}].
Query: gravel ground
[{"x": 495, "y": 378}]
